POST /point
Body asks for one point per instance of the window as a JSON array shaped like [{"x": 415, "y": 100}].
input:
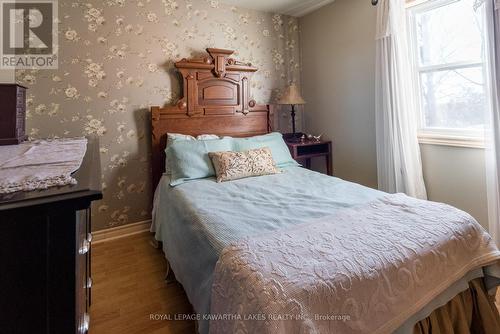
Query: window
[{"x": 448, "y": 51}]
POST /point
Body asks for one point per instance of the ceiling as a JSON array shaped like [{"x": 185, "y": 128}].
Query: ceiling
[{"x": 287, "y": 7}]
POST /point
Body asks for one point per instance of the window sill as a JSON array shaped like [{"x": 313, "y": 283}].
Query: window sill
[{"x": 449, "y": 140}]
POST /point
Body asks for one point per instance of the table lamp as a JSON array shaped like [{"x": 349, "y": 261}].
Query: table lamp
[{"x": 292, "y": 97}]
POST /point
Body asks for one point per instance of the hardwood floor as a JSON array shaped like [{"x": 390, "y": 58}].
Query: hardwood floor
[
  {"x": 129, "y": 286},
  {"x": 128, "y": 276}
]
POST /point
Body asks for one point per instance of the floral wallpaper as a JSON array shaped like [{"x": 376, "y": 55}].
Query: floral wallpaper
[{"x": 116, "y": 60}]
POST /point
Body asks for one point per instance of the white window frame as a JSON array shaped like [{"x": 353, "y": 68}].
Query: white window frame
[{"x": 436, "y": 136}]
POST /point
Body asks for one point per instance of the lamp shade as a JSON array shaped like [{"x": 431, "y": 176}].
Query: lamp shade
[{"x": 291, "y": 96}]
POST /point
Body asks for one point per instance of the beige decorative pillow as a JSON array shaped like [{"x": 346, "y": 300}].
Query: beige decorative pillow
[{"x": 237, "y": 165}]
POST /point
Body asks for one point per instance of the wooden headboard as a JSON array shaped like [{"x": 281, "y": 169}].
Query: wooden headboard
[{"x": 216, "y": 101}]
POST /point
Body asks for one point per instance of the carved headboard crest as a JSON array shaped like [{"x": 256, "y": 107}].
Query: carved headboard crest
[{"x": 218, "y": 80}]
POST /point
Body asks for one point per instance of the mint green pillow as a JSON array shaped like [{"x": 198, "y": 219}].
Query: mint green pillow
[
  {"x": 281, "y": 153},
  {"x": 188, "y": 159}
]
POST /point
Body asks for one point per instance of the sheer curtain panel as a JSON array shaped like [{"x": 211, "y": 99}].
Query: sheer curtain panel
[
  {"x": 493, "y": 136},
  {"x": 398, "y": 153}
]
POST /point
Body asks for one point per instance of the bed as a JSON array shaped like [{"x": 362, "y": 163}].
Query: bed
[{"x": 220, "y": 238}]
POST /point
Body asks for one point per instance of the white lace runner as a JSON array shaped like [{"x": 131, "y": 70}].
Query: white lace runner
[
  {"x": 363, "y": 270},
  {"x": 40, "y": 164}
]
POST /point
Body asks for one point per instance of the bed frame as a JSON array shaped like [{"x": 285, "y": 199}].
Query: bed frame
[{"x": 217, "y": 100}]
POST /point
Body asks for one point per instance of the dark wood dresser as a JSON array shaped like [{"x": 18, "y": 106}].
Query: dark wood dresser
[{"x": 45, "y": 238}]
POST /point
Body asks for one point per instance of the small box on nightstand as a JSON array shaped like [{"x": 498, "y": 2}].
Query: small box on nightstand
[{"x": 12, "y": 114}]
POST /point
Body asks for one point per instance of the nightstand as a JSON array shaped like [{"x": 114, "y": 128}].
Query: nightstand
[{"x": 308, "y": 149}]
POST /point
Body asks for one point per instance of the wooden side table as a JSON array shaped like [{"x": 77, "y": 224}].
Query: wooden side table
[{"x": 308, "y": 149}]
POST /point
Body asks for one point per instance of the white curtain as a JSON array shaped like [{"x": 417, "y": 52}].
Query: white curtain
[
  {"x": 398, "y": 154},
  {"x": 493, "y": 135}
]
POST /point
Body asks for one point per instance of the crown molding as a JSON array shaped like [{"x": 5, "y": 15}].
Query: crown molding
[
  {"x": 295, "y": 8},
  {"x": 306, "y": 7}
]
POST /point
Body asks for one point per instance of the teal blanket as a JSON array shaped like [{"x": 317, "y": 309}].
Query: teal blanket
[{"x": 197, "y": 219}]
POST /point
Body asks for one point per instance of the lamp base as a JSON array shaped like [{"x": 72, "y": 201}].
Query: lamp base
[{"x": 293, "y": 137}]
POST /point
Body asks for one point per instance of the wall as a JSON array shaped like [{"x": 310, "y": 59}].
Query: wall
[
  {"x": 116, "y": 60},
  {"x": 337, "y": 46},
  {"x": 338, "y": 73},
  {"x": 457, "y": 176},
  {"x": 7, "y": 76}
]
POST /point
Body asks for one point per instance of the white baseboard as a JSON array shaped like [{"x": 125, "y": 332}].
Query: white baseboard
[{"x": 120, "y": 231}]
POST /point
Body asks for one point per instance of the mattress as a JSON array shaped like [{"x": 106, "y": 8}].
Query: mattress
[{"x": 197, "y": 219}]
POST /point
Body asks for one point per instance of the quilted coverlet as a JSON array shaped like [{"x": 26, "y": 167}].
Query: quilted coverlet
[{"x": 365, "y": 269}]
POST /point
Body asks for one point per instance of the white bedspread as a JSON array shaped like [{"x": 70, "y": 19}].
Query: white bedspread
[
  {"x": 366, "y": 269},
  {"x": 40, "y": 164}
]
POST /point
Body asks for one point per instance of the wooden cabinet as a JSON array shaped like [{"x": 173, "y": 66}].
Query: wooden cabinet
[
  {"x": 12, "y": 114},
  {"x": 45, "y": 244}
]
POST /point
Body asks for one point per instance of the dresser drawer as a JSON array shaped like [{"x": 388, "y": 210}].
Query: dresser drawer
[
  {"x": 88, "y": 285},
  {"x": 84, "y": 323},
  {"x": 20, "y": 102},
  {"x": 21, "y": 97},
  {"x": 20, "y": 121},
  {"x": 20, "y": 91},
  {"x": 320, "y": 148},
  {"x": 83, "y": 245},
  {"x": 21, "y": 131}
]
